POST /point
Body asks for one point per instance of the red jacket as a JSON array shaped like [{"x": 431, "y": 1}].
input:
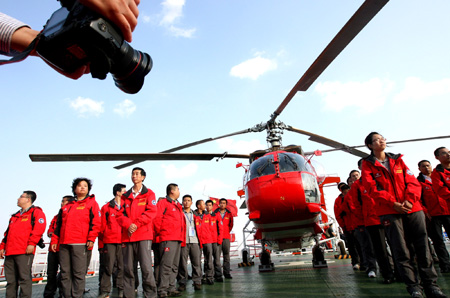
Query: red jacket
[
  {"x": 51, "y": 230},
  {"x": 349, "y": 217},
  {"x": 338, "y": 212},
  {"x": 170, "y": 223},
  {"x": 354, "y": 201},
  {"x": 431, "y": 203},
  {"x": 370, "y": 215},
  {"x": 387, "y": 188},
  {"x": 227, "y": 222},
  {"x": 23, "y": 230},
  {"x": 111, "y": 230},
  {"x": 78, "y": 222},
  {"x": 141, "y": 211},
  {"x": 212, "y": 228},
  {"x": 440, "y": 178}
]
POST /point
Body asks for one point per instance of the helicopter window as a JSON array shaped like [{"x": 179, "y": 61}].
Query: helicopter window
[
  {"x": 312, "y": 193},
  {"x": 291, "y": 162},
  {"x": 261, "y": 167}
]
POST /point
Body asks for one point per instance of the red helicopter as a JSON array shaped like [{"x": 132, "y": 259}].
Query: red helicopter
[{"x": 283, "y": 191}]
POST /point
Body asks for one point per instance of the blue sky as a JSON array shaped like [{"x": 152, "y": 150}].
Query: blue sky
[{"x": 220, "y": 67}]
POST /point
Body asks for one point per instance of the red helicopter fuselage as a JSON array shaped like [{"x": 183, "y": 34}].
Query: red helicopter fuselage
[{"x": 283, "y": 199}]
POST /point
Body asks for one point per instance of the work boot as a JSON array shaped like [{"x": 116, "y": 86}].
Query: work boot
[
  {"x": 228, "y": 276},
  {"x": 219, "y": 279},
  {"x": 197, "y": 287},
  {"x": 103, "y": 295},
  {"x": 174, "y": 294},
  {"x": 120, "y": 293},
  {"x": 182, "y": 288}
]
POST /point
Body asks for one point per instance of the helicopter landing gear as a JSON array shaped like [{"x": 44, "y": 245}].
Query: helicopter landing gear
[
  {"x": 318, "y": 256},
  {"x": 265, "y": 259}
]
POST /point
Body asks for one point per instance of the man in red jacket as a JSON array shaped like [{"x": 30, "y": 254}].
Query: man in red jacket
[
  {"x": 52, "y": 257},
  {"x": 137, "y": 234},
  {"x": 207, "y": 241},
  {"x": 216, "y": 230},
  {"x": 171, "y": 232},
  {"x": 24, "y": 232},
  {"x": 396, "y": 193},
  {"x": 227, "y": 223},
  {"x": 435, "y": 208},
  {"x": 111, "y": 233}
]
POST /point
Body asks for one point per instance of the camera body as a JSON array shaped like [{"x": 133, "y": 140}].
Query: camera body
[{"x": 75, "y": 36}]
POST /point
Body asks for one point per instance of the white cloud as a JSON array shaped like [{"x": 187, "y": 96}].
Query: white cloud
[
  {"x": 211, "y": 186},
  {"x": 172, "y": 172},
  {"x": 368, "y": 96},
  {"x": 242, "y": 147},
  {"x": 417, "y": 89},
  {"x": 171, "y": 14},
  {"x": 125, "y": 108},
  {"x": 123, "y": 173},
  {"x": 145, "y": 18},
  {"x": 253, "y": 68},
  {"x": 86, "y": 107}
]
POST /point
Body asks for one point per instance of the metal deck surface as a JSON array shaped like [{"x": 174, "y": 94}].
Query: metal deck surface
[{"x": 293, "y": 277}]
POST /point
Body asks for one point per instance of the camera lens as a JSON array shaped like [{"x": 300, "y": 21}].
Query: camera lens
[{"x": 130, "y": 68}]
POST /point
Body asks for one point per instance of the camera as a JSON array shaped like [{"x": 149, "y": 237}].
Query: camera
[
  {"x": 41, "y": 243},
  {"x": 75, "y": 36}
]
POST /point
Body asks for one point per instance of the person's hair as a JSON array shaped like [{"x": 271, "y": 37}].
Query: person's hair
[
  {"x": 353, "y": 171},
  {"x": 423, "y": 160},
  {"x": 187, "y": 196},
  {"x": 140, "y": 169},
  {"x": 223, "y": 200},
  {"x": 31, "y": 194},
  {"x": 368, "y": 139},
  {"x": 198, "y": 203},
  {"x": 436, "y": 152},
  {"x": 209, "y": 201},
  {"x": 118, "y": 187},
  {"x": 340, "y": 185},
  {"x": 344, "y": 187},
  {"x": 69, "y": 198},
  {"x": 348, "y": 180},
  {"x": 170, "y": 187},
  {"x": 76, "y": 181},
  {"x": 360, "y": 162}
]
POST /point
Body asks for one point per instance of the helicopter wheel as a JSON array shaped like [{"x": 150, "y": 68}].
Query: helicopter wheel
[
  {"x": 318, "y": 257},
  {"x": 265, "y": 259}
]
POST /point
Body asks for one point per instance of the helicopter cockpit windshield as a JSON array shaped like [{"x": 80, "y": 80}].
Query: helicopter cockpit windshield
[
  {"x": 262, "y": 166},
  {"x": 291, "y": 162}
]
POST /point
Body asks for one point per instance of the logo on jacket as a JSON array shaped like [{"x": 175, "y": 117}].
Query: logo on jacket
[
  {"x": 166, "y": 249},
  {"x": 174, "y": 209},
  {"x": 154, "y": 202},
  {"x": 409, "y": 172},
  {"x": 81, "y": 206},
  {"x": 142, "y": 202},
  {"x": 99, "y": 214},
  {"x": 377, "y": 175},
  {"x": 41, "y": 221},
  {"x": 386, "y": 223},
  {"x": 25, "y": 218}
]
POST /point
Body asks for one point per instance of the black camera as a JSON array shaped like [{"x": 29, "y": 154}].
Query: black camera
[
  {"x": 75, "y": 36},
  {"x": 41, "y": 243}
]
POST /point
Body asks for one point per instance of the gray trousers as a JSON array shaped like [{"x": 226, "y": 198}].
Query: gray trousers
[
  {"x": 217, "y": 249},
  {"x": 168, "y": 266},
  {"x": 403, "y": 228},
  {"x": 73, "y": 261},
  {"x": 140, "y": 250},
  {"x": 363, "y": 237},
  {"x": 52, "y": 271},
  {"x": 226, "y": 256},
  {"x": 18, "y": 274},
  {"x": 112, "y": 252},
  {"x": 208, "y": 267},
  {"x": 191, "y": 251},
  {"x": 435, "y": 233}
]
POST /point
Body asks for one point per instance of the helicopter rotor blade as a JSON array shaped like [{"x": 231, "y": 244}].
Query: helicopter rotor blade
[
  {"x": 328, "y": 142},
  {"x": 356, "y": 23},
  {"x": 388, "y": 143},
  {"x": 256, "y": 128},
  {"x": 133, "y": 156}
]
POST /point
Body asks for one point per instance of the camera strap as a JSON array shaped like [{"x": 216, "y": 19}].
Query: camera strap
[{"x": 23, "y": 55}]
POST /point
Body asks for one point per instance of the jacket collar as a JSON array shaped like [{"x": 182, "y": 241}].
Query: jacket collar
[
  {"x": 372, "y": 159},
  {"x": 130, "y": 191}
]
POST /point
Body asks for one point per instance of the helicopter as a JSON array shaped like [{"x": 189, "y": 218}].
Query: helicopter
[{"x": 282, "y": 187}]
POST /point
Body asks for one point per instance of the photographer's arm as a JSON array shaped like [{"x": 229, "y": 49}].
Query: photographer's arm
[
  {"x": 22, "y": 37},
  {"x": 123, "y": 13}
]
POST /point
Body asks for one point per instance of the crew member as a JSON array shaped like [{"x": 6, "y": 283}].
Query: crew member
[
  {"x": 53, "y": 257},
  {"x": 24, "y": 232},
  {"x": 396, "y": 193},
  {"x": 227, "y": 222},
  {"x": 216, "y": 230},
  {"x": 206, "y": 238},
  {"x": 77, "y": 227},
  {"x": 112, "y": 242},
  {"x": 136, "y": 221},
  {"x": 192, "y": 250}
]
